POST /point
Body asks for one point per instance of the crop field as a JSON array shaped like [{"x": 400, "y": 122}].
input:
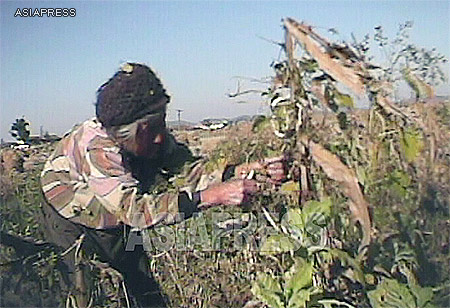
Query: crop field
[{"x": 408, "y": 204}]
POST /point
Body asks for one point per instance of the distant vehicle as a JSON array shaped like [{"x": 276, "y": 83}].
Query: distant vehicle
[
  {"x": 20, "y": 146},
  {"x": 213, "y": 124}
]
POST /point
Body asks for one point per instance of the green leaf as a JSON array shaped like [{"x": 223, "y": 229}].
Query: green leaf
[
  {"x": 344, "y": 100},
  {"x": 400, "y": 181},
  {"x": 313, "y": 206},
  {"x": 402, "y": 178},
  {"x": 423, "y": 295},
  {"x": 411, "y": 144},
  {"x": 294, "y": 221},
  {"x": 346, "y": 260},
  {"x": 294, "y": 218},
  {"x": 308, "y": 222},
  {"x": 299, "y": 299},
  {"x": 268, "y": 290},
  {"x": 391, "y": 294},
  {"x": 278, "y": 243},
  {"x": 261, "y": 123},
  {"x": 299, "y": 276},
  {"x": 290, "y": 186}
]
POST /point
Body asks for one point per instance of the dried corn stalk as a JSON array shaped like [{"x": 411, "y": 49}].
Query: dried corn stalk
[
  {"x": 347, "y": 69},
  {"x": 337, "y": 171}
]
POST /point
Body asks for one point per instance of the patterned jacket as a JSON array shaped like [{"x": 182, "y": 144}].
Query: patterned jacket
[{"x": 86, "y": 179}]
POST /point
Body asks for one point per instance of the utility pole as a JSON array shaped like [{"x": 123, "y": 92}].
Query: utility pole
[{"x": 179, "y": 111}]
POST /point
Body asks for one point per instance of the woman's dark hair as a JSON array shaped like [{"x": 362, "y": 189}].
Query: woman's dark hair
[{"x": 133, "y": 92}]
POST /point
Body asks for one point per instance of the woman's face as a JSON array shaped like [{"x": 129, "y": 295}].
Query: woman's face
[
  {"x": 145, "y": 138},
  {"x": 150, "y": 137}
]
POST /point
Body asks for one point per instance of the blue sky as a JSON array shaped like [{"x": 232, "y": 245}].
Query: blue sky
[{"x": 51, "y": 67}]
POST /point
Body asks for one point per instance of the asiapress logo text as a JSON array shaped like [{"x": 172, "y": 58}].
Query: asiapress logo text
[{"x": 45, "y": 12}]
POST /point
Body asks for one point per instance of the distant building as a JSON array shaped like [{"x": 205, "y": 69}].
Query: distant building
[
  {"x": 35, "y": 140},
  {"x": 32, "y": 140},
  {"x": 213, "y": 124},
  {"x": 180, "y": 125}
]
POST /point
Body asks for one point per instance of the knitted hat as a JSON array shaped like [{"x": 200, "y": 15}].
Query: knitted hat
[{"x": 132, "y": 93}]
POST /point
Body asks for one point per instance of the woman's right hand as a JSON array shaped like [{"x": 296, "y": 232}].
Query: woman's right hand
[{"x": 235, "y": 192}]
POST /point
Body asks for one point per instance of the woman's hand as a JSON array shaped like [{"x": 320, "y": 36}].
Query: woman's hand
[
  {"x": 274, "y": 168},
  {"x": 234, "y": 192}
]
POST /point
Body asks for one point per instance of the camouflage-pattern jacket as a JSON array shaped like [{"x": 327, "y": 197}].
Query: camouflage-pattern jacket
[{"x": 89, "y": 180}]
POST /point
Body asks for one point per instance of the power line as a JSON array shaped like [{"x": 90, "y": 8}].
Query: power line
[{"x": 179, "y": 111}]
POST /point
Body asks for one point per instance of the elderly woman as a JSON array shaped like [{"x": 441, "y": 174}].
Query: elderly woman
[{"x": 99, "y": 180}]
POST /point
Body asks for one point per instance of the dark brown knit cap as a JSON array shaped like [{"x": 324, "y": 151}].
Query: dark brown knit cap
[{"x": 133, "y": 92}]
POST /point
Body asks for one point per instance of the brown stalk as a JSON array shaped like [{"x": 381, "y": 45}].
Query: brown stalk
[
  {"x": 339, "y": 172},
  {"x": 314, "y": 45}
]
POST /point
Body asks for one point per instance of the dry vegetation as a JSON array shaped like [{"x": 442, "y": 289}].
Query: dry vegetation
[{"x": 409, "y": 212}]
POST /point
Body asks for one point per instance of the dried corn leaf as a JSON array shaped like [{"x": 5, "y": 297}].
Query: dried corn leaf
[
  {"x": 315, "y": 45},
  {"x": 336, "y": 170}
]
